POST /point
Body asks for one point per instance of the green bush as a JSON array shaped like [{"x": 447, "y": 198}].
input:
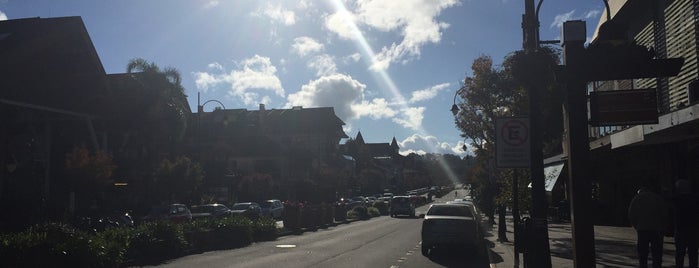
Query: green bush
[
  {"x": 358, "y": 212},
  {"x": 373, "y": 212},
  {"x": 54, "y": 245},
  {"x": 115, "y": 243},
  {"x": 264, "y": 229},
  {"x": 156, "y": 241},
  {"x": 232, "y": 232}
]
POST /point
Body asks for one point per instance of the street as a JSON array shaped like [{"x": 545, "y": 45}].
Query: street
[{"x": 378, "y": 242}]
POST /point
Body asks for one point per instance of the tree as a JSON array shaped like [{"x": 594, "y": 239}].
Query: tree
[
  {"x": 177, "y": 181},
  {"x": 537, "y": 70},
  {"x": 90, "y": 175},
  {"x": 169, "y": 107},
  {"x": 499, "y": 92}
]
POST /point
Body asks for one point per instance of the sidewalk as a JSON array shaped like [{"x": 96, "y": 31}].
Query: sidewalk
[{"x": 614, "y": 247}]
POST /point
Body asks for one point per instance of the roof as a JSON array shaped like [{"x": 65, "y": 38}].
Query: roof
[
  {"x": 49, "y": 61},
  {"x": 270, "y": 129}
]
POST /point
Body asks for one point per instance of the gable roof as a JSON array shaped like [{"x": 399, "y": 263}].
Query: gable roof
[{"x": 50, "y": 61}]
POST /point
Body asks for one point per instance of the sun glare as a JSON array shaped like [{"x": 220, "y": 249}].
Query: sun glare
[{"x": 386, "y": 84}]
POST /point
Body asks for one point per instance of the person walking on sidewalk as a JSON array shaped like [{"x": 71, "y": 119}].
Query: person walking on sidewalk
[
  {"x": 686, "y": 208},
  {"x": 648, "y": 215}
]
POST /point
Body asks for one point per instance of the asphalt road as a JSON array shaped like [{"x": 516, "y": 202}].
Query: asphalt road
[{"x": 378, "y": 242}]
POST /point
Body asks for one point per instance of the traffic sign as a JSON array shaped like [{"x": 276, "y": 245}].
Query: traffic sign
[{"x": 512, "y": 142}]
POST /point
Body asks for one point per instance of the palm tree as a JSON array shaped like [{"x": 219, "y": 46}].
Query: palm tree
[{"x": 169, "y": 108}]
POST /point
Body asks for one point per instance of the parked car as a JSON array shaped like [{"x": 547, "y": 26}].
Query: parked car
[
  {"x": 402, "y": 205},
  {"x": 178, "y": 213},
  {"x": 370, "y": 200},
  {"x": 210, "y": 211},
  {"x": 387, "y": 197},
  {"x": 356, "y": 201},
  {"x": 251, "y": 210},
  {"x": 272, "y": 208},
  {"x": 449, "y": 225},
  {"x": 473, "y": 209}
]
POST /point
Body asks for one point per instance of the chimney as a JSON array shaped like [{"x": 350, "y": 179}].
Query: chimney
[{"x": 262, "y": 107}]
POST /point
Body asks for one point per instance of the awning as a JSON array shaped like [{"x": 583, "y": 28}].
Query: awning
[{"x": 551, "y": 174}]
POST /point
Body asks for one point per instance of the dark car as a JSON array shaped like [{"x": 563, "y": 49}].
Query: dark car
[
  {"x": 272, "y": 208},
  {"x": 450, "y": 225},
  {"x": 402, "y": 205},
  {"x": 210, "y": 211},
  {"x": 174, "y": 212},
  {"x": 251, "y": 210}
]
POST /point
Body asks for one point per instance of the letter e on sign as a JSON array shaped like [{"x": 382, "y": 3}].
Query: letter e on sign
[{"x": 512, "y": 142}]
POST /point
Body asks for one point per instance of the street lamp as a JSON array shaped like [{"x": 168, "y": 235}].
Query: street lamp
[{"x": 455, "y": 108}]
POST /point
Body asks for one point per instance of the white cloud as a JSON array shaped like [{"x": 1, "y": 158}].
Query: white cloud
[
  {"x": 593, "y": 14},
  {"x": 256, "y": 73},
  {"x": 411, "y": 117},
  {"x": 3, "y": 16},
  {"x": 253, "y": 75},
  {"x": 305, "y": 45},
  {"x": 421, "y": 144},
  {"x": 204, "y": 80},
  {"x": 413, "y": 19},
  {"x": 561, "y": 18},
  {"x": 323, "y": 64},
  {"x": 278, "y": 13},
  {"x": 343, "y": 23},
  {"x": 376, "y": 108},
  {"x": 338, "y": 90},
  {"x": 211, "y": 4},
  {"x": 303, "y": 4},
  {"x": 352, "y": 58},
  {"x": 215, "y": 66},
  {"x": 428, "y": 93}
]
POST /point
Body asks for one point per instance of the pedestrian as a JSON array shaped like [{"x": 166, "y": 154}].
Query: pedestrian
[
  {"x": 455, "y": 194},
  {"x": 648, "y": 215},
  {"x": 686, "y": 218}
]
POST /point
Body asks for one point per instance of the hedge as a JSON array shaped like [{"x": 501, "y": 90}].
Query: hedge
[{"x": 62, "y": 245}]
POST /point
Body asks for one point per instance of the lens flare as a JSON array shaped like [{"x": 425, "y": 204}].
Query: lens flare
[{"x": 383, "y": 79}]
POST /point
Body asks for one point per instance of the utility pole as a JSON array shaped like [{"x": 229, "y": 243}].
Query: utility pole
[
  {"x": 539, "y": 251},
  {"x": 577, "y": 143}
]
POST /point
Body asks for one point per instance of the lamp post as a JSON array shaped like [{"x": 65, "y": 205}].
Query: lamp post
[
  {"x": 539, "y": 251},
  {"x": 200, "y": 110},
  {"x": 455, "y": 108}
]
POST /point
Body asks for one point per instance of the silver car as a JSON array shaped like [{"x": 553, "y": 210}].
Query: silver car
[
  {"x": 272, "y": 208},
  {"x": 450, "y": 225}
]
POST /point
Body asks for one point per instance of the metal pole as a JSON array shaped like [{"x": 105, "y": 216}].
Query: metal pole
[
  {"x": 540, "y": 252},
  {"x": 575, "y": 120},
  {"x": 515, "y": 213}
]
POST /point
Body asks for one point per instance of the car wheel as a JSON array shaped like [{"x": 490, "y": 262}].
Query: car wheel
[{"x": 425, "y": 250}]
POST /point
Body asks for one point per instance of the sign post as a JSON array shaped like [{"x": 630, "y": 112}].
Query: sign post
[{"x": 512, "y": 142}]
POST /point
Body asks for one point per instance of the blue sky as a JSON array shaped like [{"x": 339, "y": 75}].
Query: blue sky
[{"x": 389, "y": 68}]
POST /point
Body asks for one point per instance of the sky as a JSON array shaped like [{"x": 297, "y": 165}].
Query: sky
[{"x": 390, "y": 68}]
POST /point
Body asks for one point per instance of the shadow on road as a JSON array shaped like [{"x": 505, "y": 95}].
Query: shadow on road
[{"x": 458, "y": 257}]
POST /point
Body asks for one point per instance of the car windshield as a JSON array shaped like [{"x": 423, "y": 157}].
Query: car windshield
[
  {"x": 400, "y": 200},
  {"x": 456, "y": 210},
  {"x": 266, "y": 204},
  {"x": 202, "y": 209},
  {"x": 240, "y": 206}
]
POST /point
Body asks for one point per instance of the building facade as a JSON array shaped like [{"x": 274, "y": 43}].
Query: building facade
[{"x": 626, "y": 158}]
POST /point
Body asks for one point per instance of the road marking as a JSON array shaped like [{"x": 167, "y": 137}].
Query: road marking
[{"x": 286, "y": 246}]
